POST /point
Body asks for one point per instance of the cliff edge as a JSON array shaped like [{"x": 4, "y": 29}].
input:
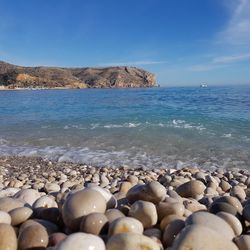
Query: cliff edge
[{"x": 12, "y": 77}]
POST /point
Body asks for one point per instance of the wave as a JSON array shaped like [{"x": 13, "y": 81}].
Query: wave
[
  {"x": 178, "y": 124},
  {"x": 133, "y": 157}
]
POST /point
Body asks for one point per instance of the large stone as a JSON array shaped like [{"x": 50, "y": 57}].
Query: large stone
[
  {"x": 33, "y": 237},
  {"x": 131, "y": 241},
  {"x": 145, "y": 212},
  {"x": 8, "y": 240},
  {"x": 81, "y": 241},
  {"x": 213, "y": 222},
  {"x": 191, "y": 189},
  {"x": 197, "y": 237},
  {"x": 82, "y": 203},
  {"x": 152, "y": 191}
]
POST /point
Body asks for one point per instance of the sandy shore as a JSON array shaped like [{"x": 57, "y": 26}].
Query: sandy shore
[{"x": 51, "y": 205}]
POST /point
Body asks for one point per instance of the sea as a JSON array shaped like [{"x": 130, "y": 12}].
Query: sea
[{"x": 170, "y": 127}]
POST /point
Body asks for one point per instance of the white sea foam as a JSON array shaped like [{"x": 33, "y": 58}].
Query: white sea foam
[
  {"x": 229, "y": 135},
  {"x": 185, "y": 125},
  {"x": 133, "y": 157}
]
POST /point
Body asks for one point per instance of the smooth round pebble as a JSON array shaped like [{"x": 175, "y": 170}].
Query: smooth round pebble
[
  {"x": 81, "y": 241},
  {"x": 197, "y": 237},
  {"x": 167, "y": 208},
  {"x": 8, "y": 240},
  {"x": 27, "y": 195},
  {"x": 33, "y": 237},
  {"x": 7, "y": 204},
  {"x": 5, "y": 217},
  {"x": 152, "y": 191},
  {"x": 131, "y": 241},
  {"x": 124, "y": 225},
  {"x": 55, "y": 238},
  {"x": 233, "y": 221},
  {"x": 168, "y": 219},
  {"x": 145, "y": 212},
  {"x": 191, "y": 189},
  {"x": 246, "y": 212},
  {"x": 94, "y": 223},
  {"x": 82, "y": 203},
  {"x": 113, "y": 214},
  {"x": 211, "y": 221},
  {"x": 217, "y": 207},
  {"x": 243, "y": 242},
  {"x": 51, "y": 187},
  {"x": 20, "y": 215},
  {"x": 171, "y": 231},
  {"x": 46, "y": 201}
]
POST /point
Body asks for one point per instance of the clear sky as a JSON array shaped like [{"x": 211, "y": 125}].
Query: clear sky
[{"x": 184, "y": 42}]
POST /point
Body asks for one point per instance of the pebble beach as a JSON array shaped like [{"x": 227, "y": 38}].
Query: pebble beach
[{"x": 61, "y": 206}]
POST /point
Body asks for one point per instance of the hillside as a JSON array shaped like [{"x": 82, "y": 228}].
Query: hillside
[{"x": 12, "y": 76}]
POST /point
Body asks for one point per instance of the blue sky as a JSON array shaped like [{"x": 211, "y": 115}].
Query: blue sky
[{"x": 184, "y": 42}]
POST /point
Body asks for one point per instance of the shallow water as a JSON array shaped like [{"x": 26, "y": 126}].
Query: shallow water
[{"x": 159, "y": 127}]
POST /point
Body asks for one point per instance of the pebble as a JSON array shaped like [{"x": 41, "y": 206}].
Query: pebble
[
  {"x": 197, "y": 237},
  {"x": 94, "y": 223},
  {"x": 55, "y": 238},
  {"x": 212, "y": 222},
  {"x": 171, "y": 231},
  {"x": 246, "y": 212},
  {"x": 5, "y": 217},
  {"x": 113, "y": 214},
  {"x": 167, "y": 208},
  {"x": 152, "y": 191},
  {"x": 129, "y": 241},
  {"x": 191, "y": 189},
  {"x": 81, "y": 241},
  {"x": 217, "y": 207},
  {"x": 51, "y": 187},
  {"x": 33, "y": 237},
  {"x": 46, "y": 201},
  {"x": 145, "y": 212},
  {"x": 20, "y": 215},
  {"x": 82, "y": 203},
  {"x": 27, "y": 195},
  {"x": 243, "y": 242},
  {"x": 168, "y": 219},
  {"x": 233, "y": 221},
  {"x": 7, "y": 204},
  {"x": 125, "y": 225},
  {"x": 8, "y": 240}
]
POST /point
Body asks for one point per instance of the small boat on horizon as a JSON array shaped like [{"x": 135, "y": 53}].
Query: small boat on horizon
[{"x": 203, "y": 85}]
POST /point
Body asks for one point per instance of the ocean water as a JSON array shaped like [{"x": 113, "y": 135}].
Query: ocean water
[{"x": 158, "y": 127}]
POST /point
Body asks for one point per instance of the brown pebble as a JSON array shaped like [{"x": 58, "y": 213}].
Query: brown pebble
[
  {"x": 33, "y": 237},
  {"x": 55, "y": 238},
  {"x": 8, "y": 240},
  {"x": 94, "y": 223}
]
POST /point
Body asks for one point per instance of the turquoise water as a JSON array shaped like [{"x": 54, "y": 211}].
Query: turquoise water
[{"x": 159, "y": 127}]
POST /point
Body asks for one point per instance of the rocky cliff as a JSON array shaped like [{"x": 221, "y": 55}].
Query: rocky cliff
[{"x": 12, "y": 76}]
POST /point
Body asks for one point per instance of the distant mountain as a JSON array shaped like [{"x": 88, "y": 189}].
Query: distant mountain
[{"x": 12, "y": 76}]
